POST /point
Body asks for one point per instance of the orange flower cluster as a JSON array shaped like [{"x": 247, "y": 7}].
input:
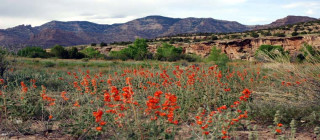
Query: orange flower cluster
[
  {"x": 166, "y": 109},
  {"x": 24, "y": 87},
  {"x": 63, "y": 95},
  {"x": 46, "y": 98},
  {"x": 98, "y": 115}
]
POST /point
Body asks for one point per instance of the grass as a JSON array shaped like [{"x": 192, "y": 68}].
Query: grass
[{"x": 157, "y": 100}]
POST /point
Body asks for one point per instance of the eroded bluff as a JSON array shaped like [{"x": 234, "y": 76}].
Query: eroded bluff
[{"x": 235, "y": 49}]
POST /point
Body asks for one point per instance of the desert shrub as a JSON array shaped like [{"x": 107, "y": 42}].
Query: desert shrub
[
  {"x": 192, "y": 58},
  {"x": 59, "y": 52},
  {"x": 218, "y": 57},
  {"x": 168, "y": 52},
  {"x": 279, "y": 34},
  {"x": 137, "y": 51},
  {"x": 33, "y": 52},
  {"x": 214, "y": 37},
  {"x": 75, "y": 54},
  {"x": 310, "y": 53},
  {"x": 90, "y": 52},
  {"x": 254, "y": 35},
  {"x": 265, "y": 52},
  {"x": 295, "y": 34}
]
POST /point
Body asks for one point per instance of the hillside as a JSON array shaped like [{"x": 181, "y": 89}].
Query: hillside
[{"x": 84, "y": 32}]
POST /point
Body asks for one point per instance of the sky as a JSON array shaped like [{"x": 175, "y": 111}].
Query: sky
[{"x": 248, "y": 12}]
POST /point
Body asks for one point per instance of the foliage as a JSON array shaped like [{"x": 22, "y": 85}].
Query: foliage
[
  {"x": 254, "y": 35},
  {"x": 270, "y": 51},
  {"x": 33, "y": 52},
  {"x": 75, "y": 54},
  {"x": 137, "y": 51},
  {"x": 90, "y": 52},
  {"x": 279, "y": 34},
  {"x": 59, "y": 52},
  {"x": 218, "y": 57},
  {"x": 295, "y": 33},
  {"x": 168, "y": 52}
]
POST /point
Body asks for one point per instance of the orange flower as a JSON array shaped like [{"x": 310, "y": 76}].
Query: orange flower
[
  {"x": 98, "y": 128},
  {"x": 50, "y": 117},
  {"x": 128, "y": 79},
  {"x": 279, "y": 124},
  {"x": 278, "y": 130},
  {"x": 206, "y": 133},
  {"x": 102, "y": 123},
  {"x": 1, "y": 81},
  {"x": 76, "y": 104}
]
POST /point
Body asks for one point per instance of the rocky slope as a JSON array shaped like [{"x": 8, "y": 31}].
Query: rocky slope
[
  {"x": 286, "y": 21},
  {"x": 83, "y": 32}
]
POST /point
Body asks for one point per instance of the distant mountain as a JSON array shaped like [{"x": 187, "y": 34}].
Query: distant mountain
[
  {"x": 286, "y": 21},
  {"x": 83, "y": 32}
]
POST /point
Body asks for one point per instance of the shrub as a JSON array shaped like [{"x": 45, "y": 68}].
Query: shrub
[
  {"x": 214, "y": 37},
  {"x": 59, "y": 52},
  {"x": 270, "y": 51},
  {"x": 279, "y": 34},
  {"x": 254, "y": 35},
  {"x": 90, "y": 52},
  {"x": 137, "y": 51},
  {"x": 168, "y": 52},
  {"x": 49, "y": 64},
  {"x": 310, "y": 53},
  {"x": 218, "y": 57},
  {"x": 295, "y": 34},
  {"x": 75, "y": 54},
  {"x": 33, "y": 52}
]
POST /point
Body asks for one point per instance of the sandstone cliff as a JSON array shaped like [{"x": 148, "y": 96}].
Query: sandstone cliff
[{"x": 236, "y": 49}]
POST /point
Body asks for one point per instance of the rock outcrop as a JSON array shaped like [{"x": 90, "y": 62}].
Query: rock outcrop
[{"x": 236, "y": 49}]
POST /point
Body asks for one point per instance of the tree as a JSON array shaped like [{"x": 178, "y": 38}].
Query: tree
[
  {"x": 168, "y": 52},
  {"x": 137, "y": 51},
  {"x": 60, "y": 52},
  {"x": 294, "y": 34},
  {"x": 254, "y": 34},
  {"x": 90, "y": 52},
  {"x": 218, "y": 57},
  {"x": 75, "y": 54},
  {"x": 33, "y": 52},
  {"x": 214, "y": 37}
]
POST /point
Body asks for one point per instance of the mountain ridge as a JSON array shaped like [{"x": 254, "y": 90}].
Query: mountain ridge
[{"x": 85, "y": 32}]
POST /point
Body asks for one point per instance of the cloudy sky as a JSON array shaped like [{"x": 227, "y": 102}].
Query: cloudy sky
[{"x": 249, "y": 12}]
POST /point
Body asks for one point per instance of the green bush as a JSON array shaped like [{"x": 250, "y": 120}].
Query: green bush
[
  {"x": 254, "y": 35},
  {"x": 309, "y": 53},
  {"x": 75, "y": 54},
  {"x": 295, "y": 34},
  {"x": 270, "y": 51},
  {"x": 59, "y": 52},
  {"x": 49, "y": 64},
  {"x": 90, "y": 52},
  {"x": 137, "y": 51},
  {"x": 279, "y": 34},
  {"x": 218, "y": 57},
  {"x": 33, "y": 52},
  {"x": 168, "y": 52}
]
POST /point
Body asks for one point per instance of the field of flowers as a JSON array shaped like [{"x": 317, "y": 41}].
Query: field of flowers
[{"x": 153, "y": 100}]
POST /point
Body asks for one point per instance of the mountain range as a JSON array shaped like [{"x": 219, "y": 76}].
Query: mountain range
[{"x": 84, "y": 32}]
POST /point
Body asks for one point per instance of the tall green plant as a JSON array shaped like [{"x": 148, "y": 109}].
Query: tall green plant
[
  {"x": 168, "y": 52},
  {"x": 218, "y": 57}
]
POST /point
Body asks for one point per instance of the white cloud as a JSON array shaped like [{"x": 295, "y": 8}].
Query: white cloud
[{"x": 310, "y": 12}]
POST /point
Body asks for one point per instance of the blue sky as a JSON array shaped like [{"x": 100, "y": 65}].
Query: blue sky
[{"x": 249, "y": 12}]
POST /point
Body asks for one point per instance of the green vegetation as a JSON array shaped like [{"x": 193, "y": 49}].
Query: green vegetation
[
  {"x": 265, "y": 52},
  {"x": 4, "y": 64},
  {"x": 59, "y": 52},
  {"x": 90, "y": 52},
  {"x": 33, "y": 52},
  {"x": 218, "y": 57},
  {"x": 137, "y": 51},
  {"x": 168, "y": 52}
]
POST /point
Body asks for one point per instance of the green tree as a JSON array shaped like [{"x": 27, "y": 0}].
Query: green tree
[
  {"x": 33, "y": 52},
  {"x": 75, "y": 54},
  {"x": 137, "y": 51},
  {"x": 254, "y": 35},
  {"x": 90, "y": 52},
  {"x": 60, "y": 52},
  {"x": 218, "y": 57},
  {"x": 168, "y": 52}
]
